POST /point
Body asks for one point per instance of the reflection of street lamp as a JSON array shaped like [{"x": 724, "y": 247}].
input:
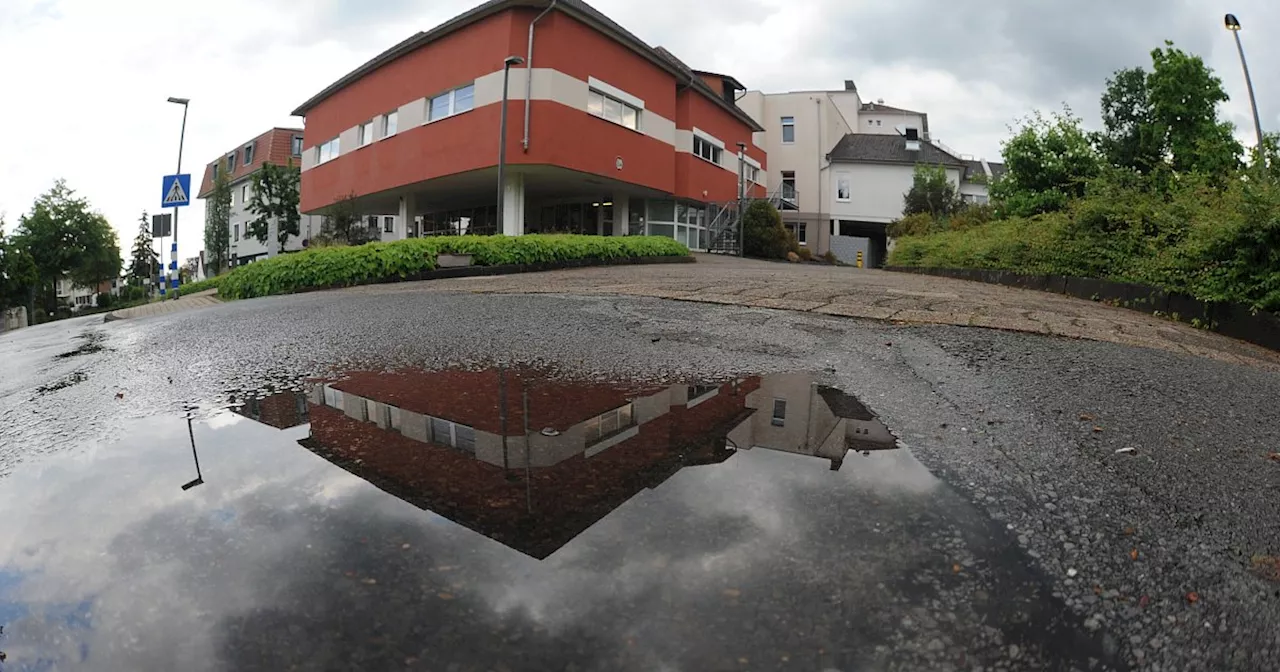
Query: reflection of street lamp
[
  {"x": 199, "y": 478},
  {"x": 502, "y": 134},
  {"x": 1233, "y": 25}
]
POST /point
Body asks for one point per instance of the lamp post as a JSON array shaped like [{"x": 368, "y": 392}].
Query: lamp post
[
  {"x": 502, "y": 136},
  {"x": 199, "y": 480},
  {"x": 1233, "y": 25},
  {"x": 173, "y": 249}
]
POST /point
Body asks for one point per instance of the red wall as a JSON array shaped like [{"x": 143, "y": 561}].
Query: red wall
[{"x": 560, "y": 135}]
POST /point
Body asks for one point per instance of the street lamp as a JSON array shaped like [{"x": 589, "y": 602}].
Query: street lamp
[
  {"x": 173, "y": 250},
  {"x": 1233, "y": 25},
  {"x": 199, "y": 480},
  {"x": 502, "y": 134}
]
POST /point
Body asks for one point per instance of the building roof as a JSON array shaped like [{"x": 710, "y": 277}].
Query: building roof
[
  {"x": 274, "y": 146},
  {"x": 881, "y": 107},
  {"x": 973, "y": 168},
  {"x": 878, "y": 148},
  {"x": 730, "y": 78},
  {"x": 575, "y": 8}
]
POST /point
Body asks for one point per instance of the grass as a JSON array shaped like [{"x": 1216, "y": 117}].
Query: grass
[{"x": 380, "y": 262}]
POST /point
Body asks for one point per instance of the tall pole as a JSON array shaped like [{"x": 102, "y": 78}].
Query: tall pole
[
  {"x": 502, "y": 138},
  {"x": 742, "y": 191},
  {"x": 1248, "y": 82},
  {"x": 172, "y": 281}
]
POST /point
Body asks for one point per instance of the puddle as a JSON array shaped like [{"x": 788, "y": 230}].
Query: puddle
[{"x": 508, "y": 518}]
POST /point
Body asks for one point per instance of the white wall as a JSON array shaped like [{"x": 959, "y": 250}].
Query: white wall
[
  {"x": 886, "y": 123},
  {"x": 241, "y": 247},
  {"x": 876, "y": 190},
  {"x": 819, "y": 126}
]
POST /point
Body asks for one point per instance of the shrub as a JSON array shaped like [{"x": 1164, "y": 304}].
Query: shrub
[
  {"x": 763, "y": 235},
  {"x": 105, "y": 300},
  {"x": 804, "y": 254},
  {"x": 919, "y": 224},
  {"x": 203, "y": 285},
  {"x": 830, "y": 257},
  {"x": 322, "y": 268}
]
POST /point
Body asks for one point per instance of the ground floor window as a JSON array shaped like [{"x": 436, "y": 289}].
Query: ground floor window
[
  {"x": 800, "y": 231},
  {"x": 481, "y": 221},
  {"x": 686, "y": 222}
]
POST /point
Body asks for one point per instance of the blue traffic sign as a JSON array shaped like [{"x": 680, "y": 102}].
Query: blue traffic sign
[{"x": 176, "y": 191}]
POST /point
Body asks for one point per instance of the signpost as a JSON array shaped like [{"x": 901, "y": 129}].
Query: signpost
[{"x": 175, "y": 192}]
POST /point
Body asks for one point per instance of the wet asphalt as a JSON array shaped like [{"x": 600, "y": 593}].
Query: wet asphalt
[{"x": 1006, "y": 533}]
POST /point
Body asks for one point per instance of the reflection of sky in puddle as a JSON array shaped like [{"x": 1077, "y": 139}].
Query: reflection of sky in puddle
[{"x": 282, "y": 557}]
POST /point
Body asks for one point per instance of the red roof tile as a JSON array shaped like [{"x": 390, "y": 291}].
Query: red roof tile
[{"x": 274, "y": 146}]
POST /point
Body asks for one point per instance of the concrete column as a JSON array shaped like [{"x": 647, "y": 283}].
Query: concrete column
[
  {"x": 513, "y": 204},
  {"x": 621, "y": 214},
  {"x": 404, "y": 218}
]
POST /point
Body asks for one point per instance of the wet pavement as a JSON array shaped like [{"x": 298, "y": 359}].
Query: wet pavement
[{"x": 551, "y": 483}]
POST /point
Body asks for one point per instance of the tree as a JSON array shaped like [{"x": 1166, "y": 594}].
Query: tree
[
  {"x": 763, "y": 234},
  {"x": 1048, "y": 162},
  {"x": 65, "y": 238},
  {"x": 217, "y": 225},
  {"x": 343, "y": 223},
  {"x": 17, "y": 273},
  {"x": 144, "y": 262},
  {"x": 931, "y": 192},
  {"x": 1168, "y": 117},
  {"x": 275, "y": 198}
]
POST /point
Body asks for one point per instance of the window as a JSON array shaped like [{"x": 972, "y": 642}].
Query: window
[
  {"x": 215, "y": 170},
  {"x": 389, "y": 224},
  {"x": 788, "y": 130},
  {"x": 751, "y": 173},
  {"x": 327, "y": 151},
  {"x": 612, "y": 109},
  {"x": 700, "y": 393},
  {"x": 295, "y": 147},
  {"x": 452, "y": 102},
  {"x": 231, "y": 162},
  {"x": 389, "y": 121},
  {"x": 842, "y": 188},
  {"x": 235, "y": 232},
  {"x": 779, "y": 413},
  {"x": 704, "y": 149},
  {"x": 448, "y": 433},
  {"x": 248, "y": 154},
  {"x": 244, "y": 195},
  {"x": 798, "y": 229},
  {"x": 366, "y": 133},
  {"x": 609, "y": 423},
  {"x": 789, "y": 196}
]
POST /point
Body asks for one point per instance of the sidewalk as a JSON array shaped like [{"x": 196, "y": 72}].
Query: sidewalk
[{"x": 193, "y": 302}]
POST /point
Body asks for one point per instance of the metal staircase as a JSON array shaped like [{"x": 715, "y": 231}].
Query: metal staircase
[{"x": 725, "y": 230}]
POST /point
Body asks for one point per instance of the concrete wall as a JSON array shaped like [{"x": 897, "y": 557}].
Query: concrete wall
[
  {"x": 886, "y": 123},
  {"x": 846, "y": 249},
  {"x": 13, "y": 318},
  {"x": 876, "y": 190}
]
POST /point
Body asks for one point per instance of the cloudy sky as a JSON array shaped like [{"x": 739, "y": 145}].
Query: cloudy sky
[{"x": 84, "y": 82}]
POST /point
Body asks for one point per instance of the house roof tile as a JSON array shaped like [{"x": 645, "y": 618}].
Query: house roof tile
[
  {"x": 274, "y": 146},
  {"x": 878, "y": 148}
]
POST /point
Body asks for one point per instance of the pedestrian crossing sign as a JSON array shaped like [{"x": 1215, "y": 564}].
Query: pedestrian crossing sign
[{"x": 176, "y": 191}]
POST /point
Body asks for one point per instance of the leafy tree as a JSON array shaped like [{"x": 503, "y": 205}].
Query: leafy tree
[
  {"x": 931, "y": 192},
  {"x": 343, "y": 223},
  {"x": 1167, "y": 117},
  {"x": 217, "y": 224},
  {"x": 144, "y": 261},
  {"x": 275, "y": 197},
  {"x": 17, "y": 273},
  {"x": 763, "y": 234},
  {"x": 1048, "y": 162},
  {"x": 65, "y": 238}
]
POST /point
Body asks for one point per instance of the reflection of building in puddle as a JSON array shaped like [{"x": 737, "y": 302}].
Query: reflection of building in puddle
[
  {"x": 532, "y": 462},
  {"x": 796, "y": 415},
  {"x": 281, "y": 410},
  {"x": 525, "y": 460}
]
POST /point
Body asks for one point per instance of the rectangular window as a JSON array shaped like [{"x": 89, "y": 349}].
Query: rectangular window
[
  {"x": 612, "y": 109},
  {"x": 215, "y": 170},
  {"x": 704, "y": 149},
  {"x": 842, "y": 188},
  {"x": 244, "y": 195},
  {"x": 751, "y": 173},
  {"x": 389, "y": 122},
  {"x": 235, "y": 232},
  {"x": 231, "y": 162},
  {"x": 788, "y": 130},
  {"x": 452, "y": 102},
  {"x": 295, "y": 147},
  {"x": 248, "y": 154},
  {"x": 366, "y": 133},
  {"x": 327, "y": 151},
  {"x": 609, "y": 423},
  {"x": 452, "y": 434},
  {"x": 389, "y": 224},
  {"x": 779, "y": 413}
]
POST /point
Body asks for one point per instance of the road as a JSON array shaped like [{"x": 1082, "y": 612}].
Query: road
[{"x": 1054, "y": 503}]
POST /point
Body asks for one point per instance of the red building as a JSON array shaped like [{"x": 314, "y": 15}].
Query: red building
[{"x": 606, "y": 135}]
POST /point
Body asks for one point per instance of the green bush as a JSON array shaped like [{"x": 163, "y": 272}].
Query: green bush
[
  {"x": 375, "y": 262},
  {"x": 763, "y": 235},
  {"x": 203, "y": 285},
  {"x": 105, "y": 300}
]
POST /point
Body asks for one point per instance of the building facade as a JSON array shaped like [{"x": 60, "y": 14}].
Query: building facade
[
  {"x": 606, "y": 134},
  {"x": 279, "y": 146}
]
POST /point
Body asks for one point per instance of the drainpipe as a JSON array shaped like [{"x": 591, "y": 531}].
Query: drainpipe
[{"x": 528, "y": 74}]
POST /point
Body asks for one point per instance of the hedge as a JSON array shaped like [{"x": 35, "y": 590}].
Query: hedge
[
  {"x": 193, "y": 287},
  {"x": 380, "y": 262}
]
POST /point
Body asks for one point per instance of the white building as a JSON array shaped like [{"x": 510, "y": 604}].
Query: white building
[{"x": 844, "y": 165}]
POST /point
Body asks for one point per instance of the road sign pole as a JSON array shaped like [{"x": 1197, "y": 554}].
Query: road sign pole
[{"x": 173, "y": 251}]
